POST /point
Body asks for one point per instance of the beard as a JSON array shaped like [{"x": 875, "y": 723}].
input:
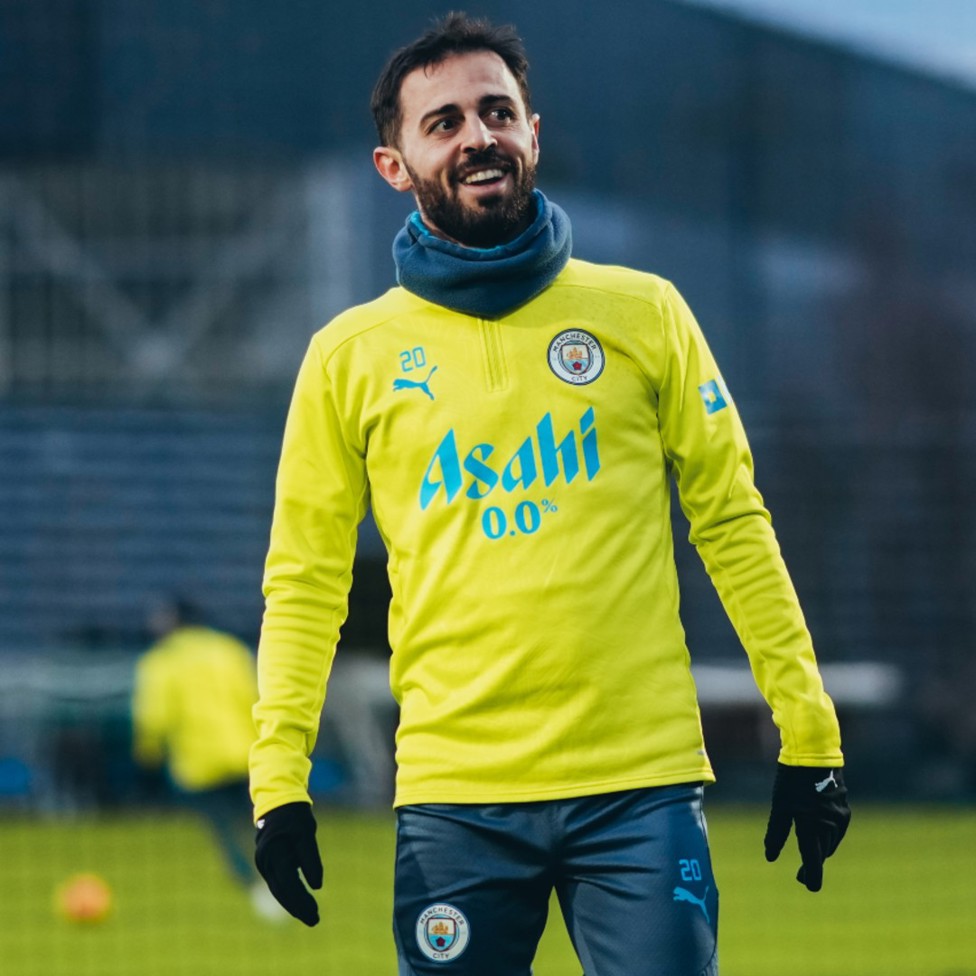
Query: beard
[{"x": 492, "y": 220}]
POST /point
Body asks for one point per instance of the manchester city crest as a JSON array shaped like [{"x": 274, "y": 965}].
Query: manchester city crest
[
  {"x": 576, "y": 357},
  {"x": 442, "y": 932}
]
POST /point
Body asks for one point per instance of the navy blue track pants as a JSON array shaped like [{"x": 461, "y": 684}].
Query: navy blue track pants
[{"x": 631, "y": 871}]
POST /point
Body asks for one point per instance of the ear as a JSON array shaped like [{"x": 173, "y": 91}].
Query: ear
[
  {"x": 389, "y": 164},
  {"x": 534, "y": 123}
]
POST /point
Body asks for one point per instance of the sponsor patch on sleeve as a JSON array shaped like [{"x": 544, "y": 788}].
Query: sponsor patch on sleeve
[{"x": 714, "y": 396}]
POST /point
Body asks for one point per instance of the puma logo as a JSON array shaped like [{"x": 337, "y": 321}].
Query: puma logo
[
  {"x": 402, "y": 384},
  {"x": 824, "y": 783},
  {"x": 683, "y": 894}
]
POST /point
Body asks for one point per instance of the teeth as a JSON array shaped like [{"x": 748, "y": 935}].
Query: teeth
[{"x": 483, "y": 175}]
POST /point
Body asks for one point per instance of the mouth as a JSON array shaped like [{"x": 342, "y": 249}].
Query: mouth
[{"x": 486, "y": 176}]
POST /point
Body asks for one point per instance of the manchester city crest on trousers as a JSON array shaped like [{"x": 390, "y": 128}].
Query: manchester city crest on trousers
[
  {"x": 576, "y": 357},
  {"x": 442, "y": 932}
]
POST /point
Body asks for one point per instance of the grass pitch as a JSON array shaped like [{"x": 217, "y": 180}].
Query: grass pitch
[{"x": 899, "y": 900}]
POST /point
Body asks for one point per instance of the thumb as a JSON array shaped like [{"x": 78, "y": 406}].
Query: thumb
[
  {"x": 777, "y": 832},
  {"x": 309, "y": 860}
]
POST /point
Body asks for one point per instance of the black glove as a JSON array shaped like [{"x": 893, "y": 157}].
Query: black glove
[
  {"x": 286, "y": 845},
  {"x": 814, "y": 801}
]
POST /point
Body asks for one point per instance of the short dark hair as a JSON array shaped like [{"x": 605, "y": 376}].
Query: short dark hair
[{"x": 456, "y": 33}]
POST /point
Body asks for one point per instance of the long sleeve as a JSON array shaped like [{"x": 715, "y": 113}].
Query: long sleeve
[
  {"x": 707, "y": 449},
  {"x": 321, "y": 496}
]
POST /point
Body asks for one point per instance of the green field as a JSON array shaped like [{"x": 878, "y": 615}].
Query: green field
[{"x": 899, "y": 900}]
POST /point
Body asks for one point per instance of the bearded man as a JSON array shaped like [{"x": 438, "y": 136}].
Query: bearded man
[{"x": 513, "y": 417}]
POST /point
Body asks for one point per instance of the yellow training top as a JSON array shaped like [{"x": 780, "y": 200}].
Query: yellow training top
[
  {"x": 518, "y": 472},
  {"x": 191, "y": 708}
]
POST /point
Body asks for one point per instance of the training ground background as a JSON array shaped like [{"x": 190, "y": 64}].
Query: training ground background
[{"x": 186, "y": 195}]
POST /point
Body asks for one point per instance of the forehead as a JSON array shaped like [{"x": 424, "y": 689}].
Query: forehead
[{"x": 458, "y": 79}]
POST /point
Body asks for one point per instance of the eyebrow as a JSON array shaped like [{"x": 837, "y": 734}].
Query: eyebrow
[{"x": 486, "y": 101}]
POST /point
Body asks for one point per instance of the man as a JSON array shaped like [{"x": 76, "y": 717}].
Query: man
[
  {"x": 194, "y": 689},
  {"x": 512, "y": 416}
]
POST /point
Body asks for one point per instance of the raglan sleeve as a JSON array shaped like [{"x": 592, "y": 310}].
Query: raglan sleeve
[
  {"x": 321, "y": 496},
  {"x": 712, "y": 464}
]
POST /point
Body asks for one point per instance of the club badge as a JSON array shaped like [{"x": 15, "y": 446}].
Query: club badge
[
  {"x": 442, "y": 932},
  {"x": 576, "y": 357}
]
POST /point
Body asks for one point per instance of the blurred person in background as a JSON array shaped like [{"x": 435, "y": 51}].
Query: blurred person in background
[
  {"x": 513, "y": 415},
  {"x": 191, "y": 713}
]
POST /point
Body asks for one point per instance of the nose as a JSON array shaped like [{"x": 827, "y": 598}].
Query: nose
[{"x": 477, "y": 136}]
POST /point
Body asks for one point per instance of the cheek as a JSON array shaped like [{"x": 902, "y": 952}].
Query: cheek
[
  {"x": 436, "y": 169},
  {"x": 524, "y": 149}
]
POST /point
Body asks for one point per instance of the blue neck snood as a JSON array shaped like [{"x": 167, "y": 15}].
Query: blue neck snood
[{"x": 484, "y": 282}]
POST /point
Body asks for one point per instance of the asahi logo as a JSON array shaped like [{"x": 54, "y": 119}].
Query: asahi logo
[{"x": 540, "y": 460}]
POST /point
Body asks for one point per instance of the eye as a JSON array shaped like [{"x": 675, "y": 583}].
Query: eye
[
  {"x": 502, "y": 114},
  {"x": 443, "y": 125}
]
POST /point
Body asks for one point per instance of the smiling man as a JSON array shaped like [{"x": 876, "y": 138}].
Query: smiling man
[
  {"x": 466, "y": 146},
  {"x": 513, "y": 416}
]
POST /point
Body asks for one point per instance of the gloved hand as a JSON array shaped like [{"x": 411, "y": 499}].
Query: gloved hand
[
  {"x": 814, "y": 801},
  {"x": 285, "y": 845}
]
